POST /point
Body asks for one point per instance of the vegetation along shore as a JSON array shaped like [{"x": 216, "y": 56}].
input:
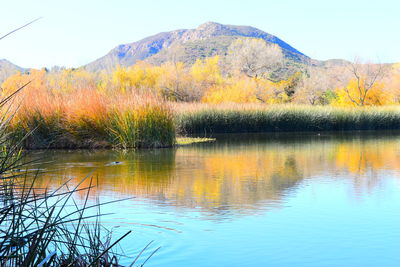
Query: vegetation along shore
[
  {"x": 249, "y": 84},
  {"x": 78, "y": 109}
]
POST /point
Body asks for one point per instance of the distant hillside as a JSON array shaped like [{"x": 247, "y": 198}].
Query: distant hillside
[
  {"x": 187, "y": 45},
  {"x": 7, "y": 69},
  {"x": 330, "y": 63}
]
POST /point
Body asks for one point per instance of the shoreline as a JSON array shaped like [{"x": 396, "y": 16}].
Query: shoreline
[
  {"x": 194, "y": 123},
  {"x": 193, "y": 140}
]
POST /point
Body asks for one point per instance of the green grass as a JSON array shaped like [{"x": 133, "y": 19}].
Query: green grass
[{"x": 256, "y": 118}]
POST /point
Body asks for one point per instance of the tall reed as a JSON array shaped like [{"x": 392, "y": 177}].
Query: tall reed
[
  {"x": 43, "y": 227},
  {"x": 141, "y": 124},
  {"x": 36, "y": 229},
  {"x": 89, "y": 118},
  {"x": 235, "y": 118}
]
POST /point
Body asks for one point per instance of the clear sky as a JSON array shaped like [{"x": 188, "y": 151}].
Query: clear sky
[{"x": 75, "y": 32}]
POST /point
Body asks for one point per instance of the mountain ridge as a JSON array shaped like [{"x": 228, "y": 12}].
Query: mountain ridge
[
  {"x": 200, "y": 38},
  {"x": 7, "y": 69},
  {"x": 186, "y": 45}
]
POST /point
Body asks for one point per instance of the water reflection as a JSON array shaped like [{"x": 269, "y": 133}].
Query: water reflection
[
  {"x": 239, "y": 173},
  {"x": 250, "y": 200}
]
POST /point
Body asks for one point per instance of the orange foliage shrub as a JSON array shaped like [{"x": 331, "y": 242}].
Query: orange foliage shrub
[{"x": 62, "y": 112}]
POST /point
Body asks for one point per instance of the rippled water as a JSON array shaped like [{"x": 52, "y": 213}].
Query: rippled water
[{"x": 250, "y": 200}]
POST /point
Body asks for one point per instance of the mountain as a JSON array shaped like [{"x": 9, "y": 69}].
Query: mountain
[
  {"x": 7, "y": 69},
  {"x": 330, "y": 63},
  {"x": 187, "y": 45}
]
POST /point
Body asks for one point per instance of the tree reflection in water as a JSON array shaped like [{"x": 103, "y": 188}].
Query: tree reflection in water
[{"x": 236, "y": 173}]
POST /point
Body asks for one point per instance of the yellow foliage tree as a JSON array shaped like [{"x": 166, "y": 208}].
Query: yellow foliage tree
[
  {"x": 394, "y": 82},
  {"x": 358, "y": 93},
  {"x": 68, "y": 80},
  {"x": 236, "y": 91},
  {"x": 175, "y": 82},
  {"x": 365, "y": 87},
  {"x": 35, "y": 78},
  {"x": 128, "y": 78},
  {"x": 206, "y": 73}
]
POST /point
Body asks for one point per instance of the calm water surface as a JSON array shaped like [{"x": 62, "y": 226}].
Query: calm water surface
[{"x": 250, "y": 200}]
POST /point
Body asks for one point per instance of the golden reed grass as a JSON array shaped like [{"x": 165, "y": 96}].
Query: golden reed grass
[{"x": 88, "y": 118}]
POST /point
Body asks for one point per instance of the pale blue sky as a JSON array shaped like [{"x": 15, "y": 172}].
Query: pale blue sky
[{"x": 75, "y": 32}]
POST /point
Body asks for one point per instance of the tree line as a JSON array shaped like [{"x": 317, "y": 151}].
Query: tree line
[{"x": 252, "y": 71}]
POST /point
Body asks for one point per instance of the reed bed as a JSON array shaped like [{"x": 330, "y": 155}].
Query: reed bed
[
  {"x": 88, "y": 118},
  {"x": 43, "y": 226},
  {"x": 37, "y": 225},
  {"x": 94, "y": 118},
  {"x": 206, "y": 119}
]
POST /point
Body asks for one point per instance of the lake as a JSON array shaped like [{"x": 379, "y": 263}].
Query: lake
[{"x": 249, "y": 200}]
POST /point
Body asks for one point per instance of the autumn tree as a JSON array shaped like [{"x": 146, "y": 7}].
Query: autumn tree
[
  {"x": 365, "y": 86},
  {"x": 234, "y": 90},
  {"x": 393, "y": 82},
  {"x": 126, "y": 79},
  {"x": 312, "y": 86},
  {"x": 206, "y": 72},
  {"x": 67, "y": 80},
  {"x": 277, "y": 92},
  {"x": 142, "y": 75},
  {"x": 175, "y": 82},
  {"x": 254, "y": 57}
]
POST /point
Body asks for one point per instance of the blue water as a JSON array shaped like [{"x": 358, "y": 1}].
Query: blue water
[{"x": 251, "y": 200}]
